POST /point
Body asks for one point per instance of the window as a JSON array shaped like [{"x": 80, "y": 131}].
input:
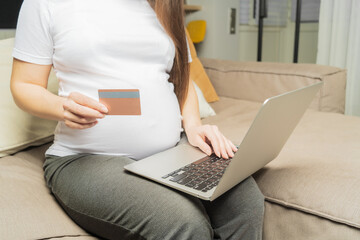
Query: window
[
  {"x": 309, "y": 10},
  {"x": 278, "y": 11}
]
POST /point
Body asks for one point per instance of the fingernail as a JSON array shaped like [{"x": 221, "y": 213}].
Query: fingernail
[{"x": 103, "y": 108}]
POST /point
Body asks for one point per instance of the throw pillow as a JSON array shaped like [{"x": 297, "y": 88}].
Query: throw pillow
[
  {"x": 19, "y": 129},
  {"x": 199, "y": 76},
  {"x": 205, "y": 109}
]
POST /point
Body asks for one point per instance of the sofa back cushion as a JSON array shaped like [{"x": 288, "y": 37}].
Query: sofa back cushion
[
  {"x": 19, "y": 129},
  {"x": 257, "y": 81}
]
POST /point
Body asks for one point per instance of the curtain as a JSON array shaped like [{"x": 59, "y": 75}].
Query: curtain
[{"x": 339, "y": 45}]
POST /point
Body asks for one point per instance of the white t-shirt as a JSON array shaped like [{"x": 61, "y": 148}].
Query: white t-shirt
[{"x": 110, "y": 44}]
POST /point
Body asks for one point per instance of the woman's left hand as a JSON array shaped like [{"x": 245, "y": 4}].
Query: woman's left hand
[{"x": 203, "y": 136}]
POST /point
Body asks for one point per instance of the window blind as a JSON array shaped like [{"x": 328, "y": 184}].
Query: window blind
[
  {"x": 309, "y": 10},
  {"x": 244, "y": 12},
  {"x": 277, "y": 12}
]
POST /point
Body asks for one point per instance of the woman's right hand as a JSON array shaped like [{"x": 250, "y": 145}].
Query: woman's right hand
[{"x": 81, "y": 112}]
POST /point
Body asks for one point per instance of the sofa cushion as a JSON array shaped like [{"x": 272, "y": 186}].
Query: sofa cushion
[
  {"x": 28, "y": 210},
  {"x": 19, "y": 129},
  {"x": 283, "y": 223},
  {"x": 257, "y": 81},
  {"x": 317, "y": 172}
]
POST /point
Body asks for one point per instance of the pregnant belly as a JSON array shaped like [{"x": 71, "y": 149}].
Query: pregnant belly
[{"x": 156, "y": 129}]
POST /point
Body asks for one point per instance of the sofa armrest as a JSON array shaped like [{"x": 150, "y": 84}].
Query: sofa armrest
[{"x": 257, "y": 81}]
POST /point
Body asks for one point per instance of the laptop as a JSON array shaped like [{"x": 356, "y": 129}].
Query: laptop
[{"x": 188, "y": 169}]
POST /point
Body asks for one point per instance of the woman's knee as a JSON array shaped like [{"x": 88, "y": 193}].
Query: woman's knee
[
  {"x": 196, "y": 227},
  {"x": 251, "y": 199},
  {"x": 257, "y": 216},
  {"x": 256, "y": 204},
  {"x": 185, "y": 218}
]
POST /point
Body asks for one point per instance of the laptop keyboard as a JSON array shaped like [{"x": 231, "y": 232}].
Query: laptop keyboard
[{"x": 203, "y": 174}]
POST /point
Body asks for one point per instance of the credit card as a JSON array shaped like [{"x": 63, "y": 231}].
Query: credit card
[{"x": 121, "y": 101}]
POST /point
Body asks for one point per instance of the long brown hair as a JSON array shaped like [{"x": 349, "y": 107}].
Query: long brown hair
[{"x": 171, "y": 16}]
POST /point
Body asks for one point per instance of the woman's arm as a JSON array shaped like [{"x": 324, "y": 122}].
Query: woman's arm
[
  {"x": 28, "y": 87},
  {"x": 202, "y": 135}
]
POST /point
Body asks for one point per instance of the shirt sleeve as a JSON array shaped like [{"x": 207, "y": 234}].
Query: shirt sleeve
[
  {"x": 33, "y": 41},
  {"x": 188, "y": 50}
]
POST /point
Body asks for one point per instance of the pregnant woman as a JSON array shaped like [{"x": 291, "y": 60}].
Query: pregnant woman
[{"x": 122, "y": 44}]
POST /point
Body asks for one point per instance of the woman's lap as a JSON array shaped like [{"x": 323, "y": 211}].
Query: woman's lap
[{"x": 109, "y": 202}]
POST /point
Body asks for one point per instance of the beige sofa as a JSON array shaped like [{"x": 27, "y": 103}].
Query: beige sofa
[{"x": 312, "y": 188}]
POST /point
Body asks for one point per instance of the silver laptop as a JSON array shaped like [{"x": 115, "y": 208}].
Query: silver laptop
[{"x": 189, "y": 170}]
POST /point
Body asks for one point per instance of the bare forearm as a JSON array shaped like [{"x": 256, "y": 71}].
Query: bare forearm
[
  {"x": 38, "y": 101},
  {"x": 28, "y": 87},
  {"x": 190, "y": 111}
]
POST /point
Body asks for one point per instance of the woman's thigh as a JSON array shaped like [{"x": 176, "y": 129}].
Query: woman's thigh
[{"x": 105, "y": 200}]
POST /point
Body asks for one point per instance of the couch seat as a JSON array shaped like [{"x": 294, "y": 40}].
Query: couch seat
[
  {"x": 316, "y": 173},
  {"x": 27, "y": 209}
]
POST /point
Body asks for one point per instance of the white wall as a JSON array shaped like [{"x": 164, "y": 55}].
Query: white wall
[{"x": 218, "y": 43}]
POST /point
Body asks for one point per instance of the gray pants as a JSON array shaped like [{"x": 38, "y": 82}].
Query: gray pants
[{"x": 110, "y": 203}]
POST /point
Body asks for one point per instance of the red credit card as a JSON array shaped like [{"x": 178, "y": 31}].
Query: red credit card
[{"x": 121, "y": 101}]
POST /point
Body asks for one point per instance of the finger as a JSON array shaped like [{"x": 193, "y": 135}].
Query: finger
[
  {"x": 233, "y": 147},
  {"x": 75, "y": 125},
  {"x": 200, "y": 143},
  {"x": 221, "y": 142},
  {"x": 210, "y": 135},
  {"x": 81, "y": 111},
  {"x": 228, "y": 147},
  {"x": 78, "y": 119},
  {"x": 88, "y": 102}
]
